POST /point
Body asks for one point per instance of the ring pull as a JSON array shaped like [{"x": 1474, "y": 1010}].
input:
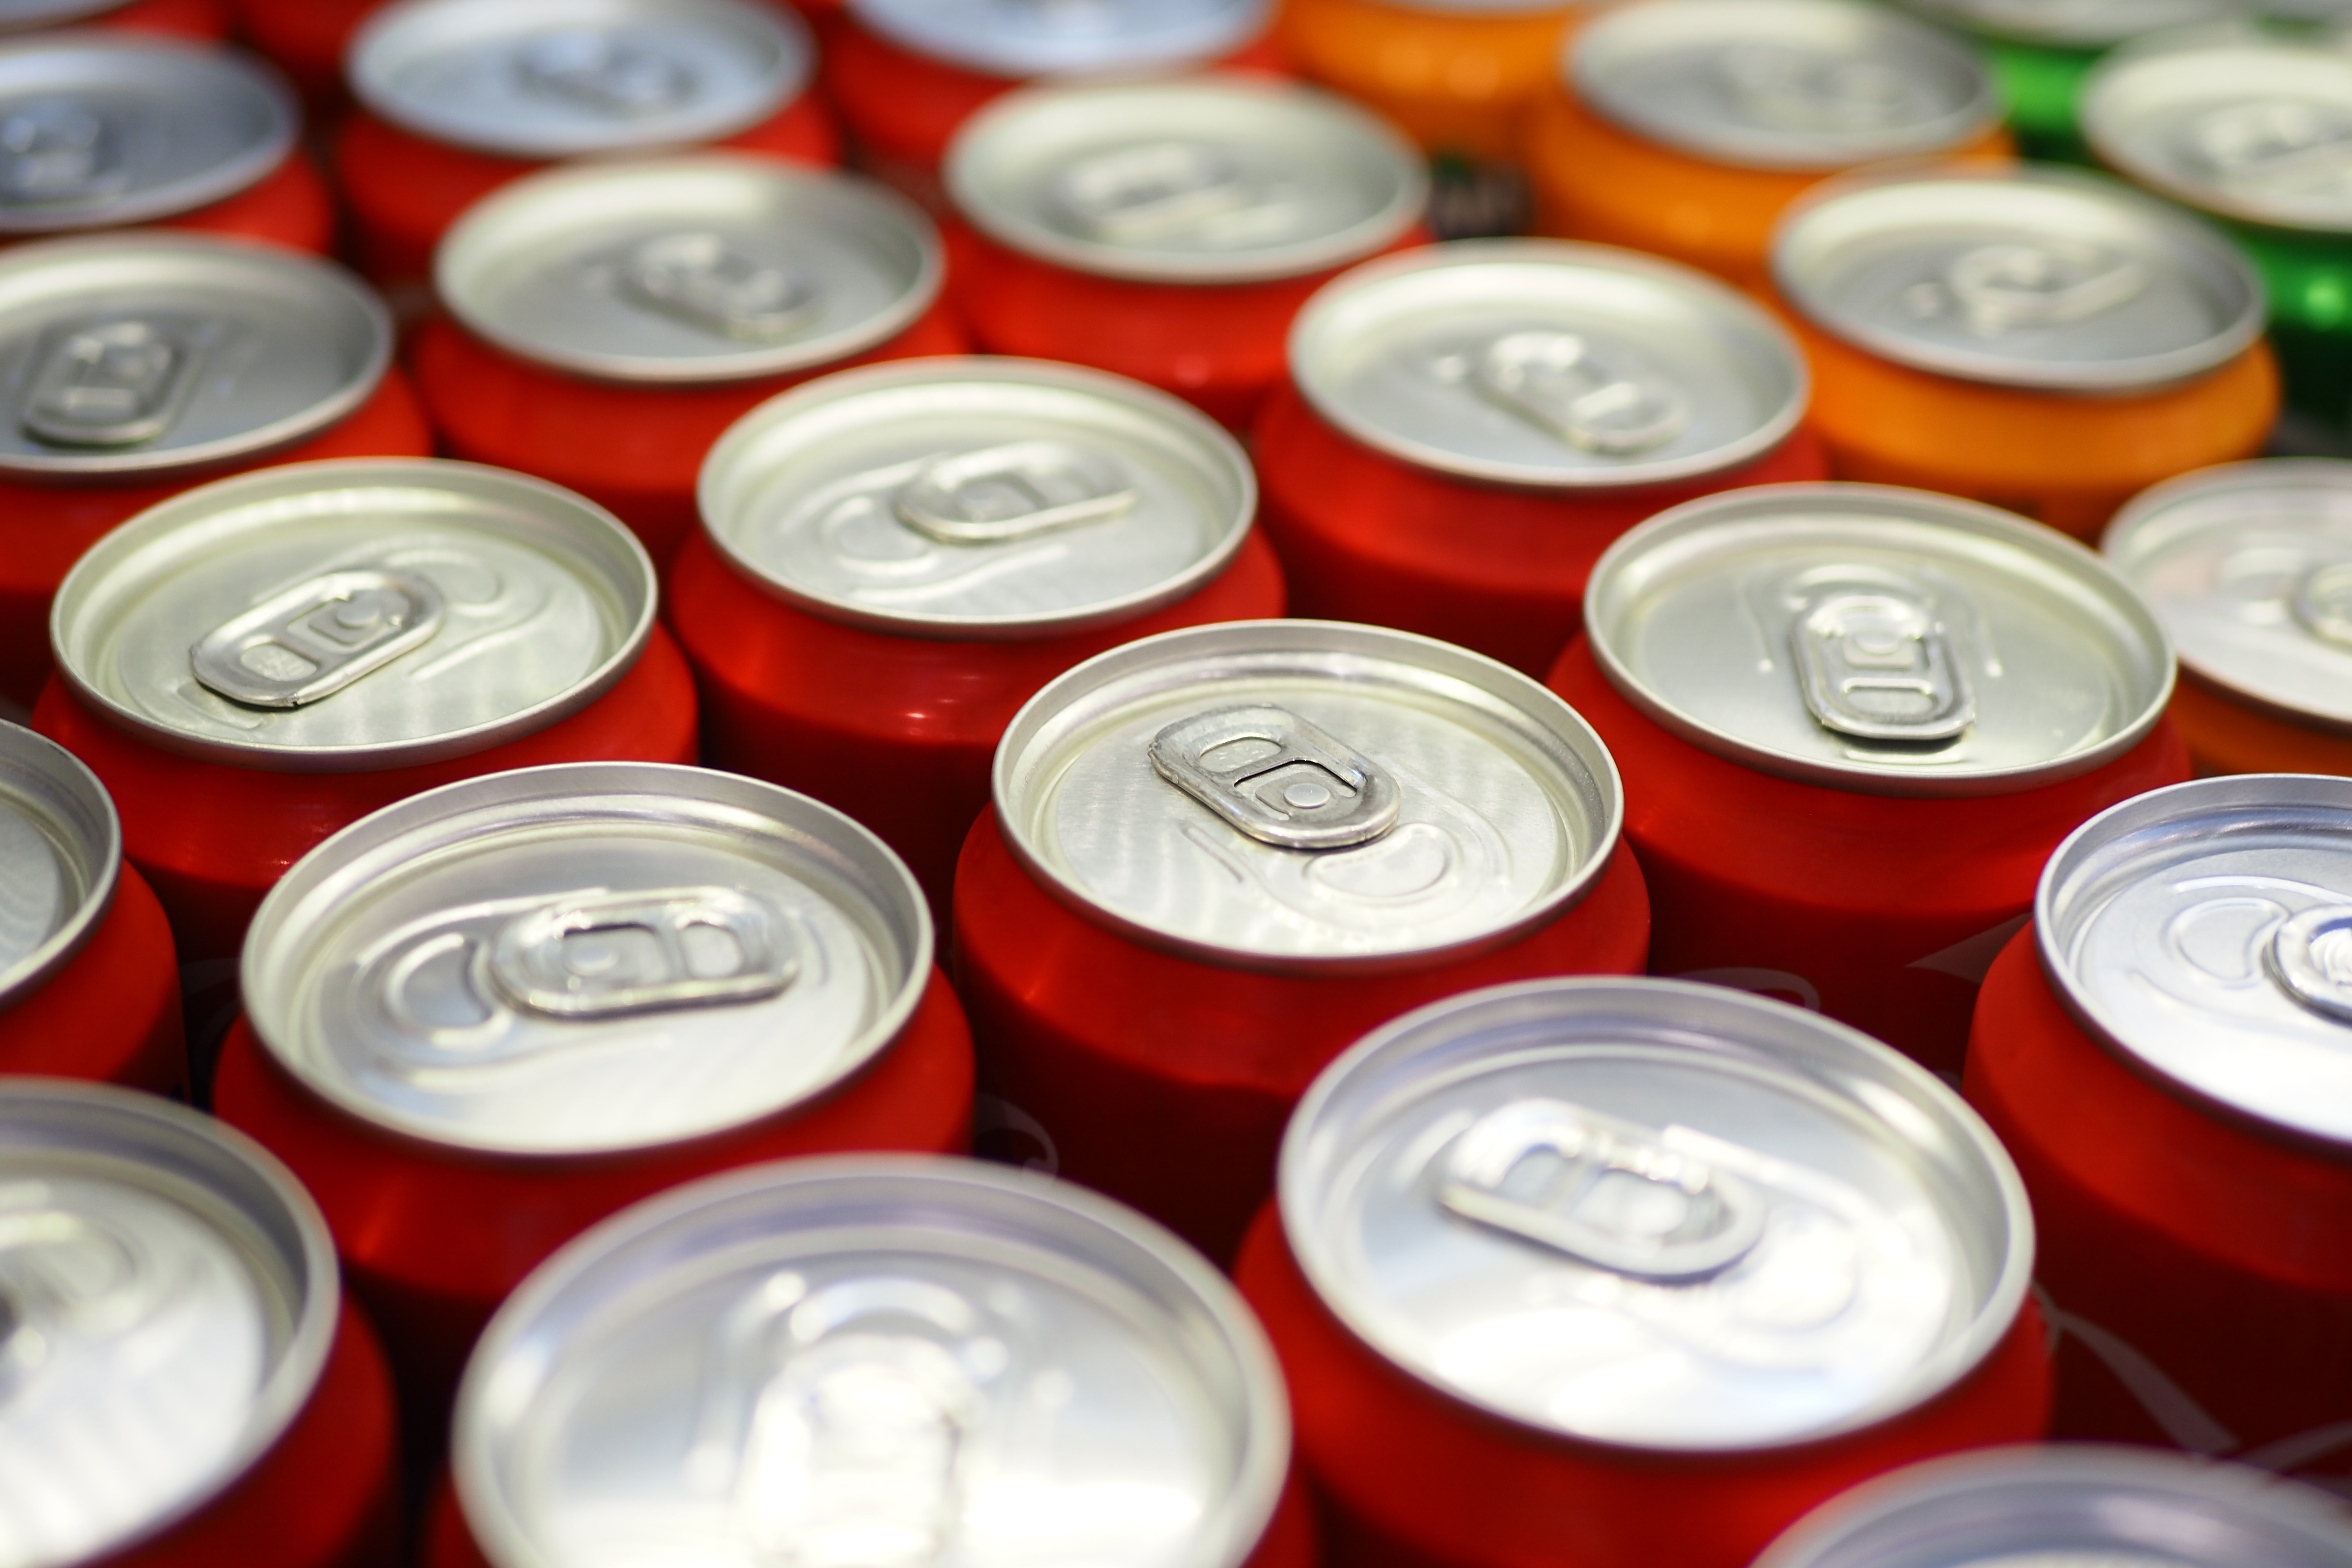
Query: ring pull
[
  {"x": 1876, "y": 663},
  {"x": 1277, "y": 778}
]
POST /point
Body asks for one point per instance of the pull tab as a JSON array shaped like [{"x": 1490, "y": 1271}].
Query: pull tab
[
  {"x": 1159, "y": 191},
  {"x": 2323, "y": 602},
  {"x": 600, "y": 72},
  {"x": 2003, "y": 288},
  {"x": 317, "y": 637},
  {"x": 1277, "y": 778},
  {"x": 592, "y": 955},
  {"x": 1003, "y": 493},
  {"x": 115, "y": 383},
  {"x": 2283, "y": 146},
  {"x": 1604, "y": 1191},
  {"x": 1554, "y": 381},
  {"x": 698, "y": 278},
  {"x": 1800, "y": 90},
  {"x": 56, "y": 149},
  {"x": 61, "y": 1274},
  {"x": 1877, "y": 665},
  {"x": 2312, "y": 957}
]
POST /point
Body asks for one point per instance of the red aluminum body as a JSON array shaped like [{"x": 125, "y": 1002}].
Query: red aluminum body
[
  {"x": 113, "y": 1012},
  {"x": 305, "y": 39},
  {"x": 204, "y": 19},
  {"x": 291, "y": 206}
]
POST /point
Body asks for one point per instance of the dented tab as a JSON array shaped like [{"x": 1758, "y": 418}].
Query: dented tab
[
  {"x": 592, "y": 955},
  {"x": 58, "y": 150},
  {"x": 1163, "y": 191},
  {"x": 110, "y": 384},
  {"x": 999, "y": 494},
  {"x": 1878, "y": 664},
  {"x": 697, "y": 277},
  {"x": 2311, "y": 956},
  {"x": 317, "y": 637},
  {"x": 597, "y": 70},
  {"x": 2003, "y": 289},
  {"x": 1277, "y": 778},
  {"x": 1555, "y": 381}
]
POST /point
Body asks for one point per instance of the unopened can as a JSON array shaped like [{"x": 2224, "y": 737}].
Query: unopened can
[
  {"x": 1687, "y": 128},
  {"x": 1467, "y": 427},
  {"x": 253, "y": 665},
  {"x": 1854, "y": 722},
  {"x": 144, "y": 365},
  {"x": 1218, "y": 856},
  {"x": 607, "y": 323},
  {"x": 1620, "y": 1273},
  {"x": 1170, "y": 231},
  {"x": 460, "y": 97},
  {"x": 895, "y": 560},
  {"x": 1455, "y": 75},
  {"x": 2037, "y": 339},
  {"x": 187, "y": 1384},
  {"x": 2164, "y": 1052},
  {"x": 206, "y": 19}
]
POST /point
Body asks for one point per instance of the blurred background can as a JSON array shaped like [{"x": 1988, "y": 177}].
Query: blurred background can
[
  {"x": 1456, "y": 75},
  {"x": 206, "y": 19}
]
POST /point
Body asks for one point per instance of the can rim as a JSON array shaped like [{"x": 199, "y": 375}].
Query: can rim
[
  {"x": 914, "y": 26},
  {"x": 65, "y": 780},
  {"x": 26, "y": 14},
  {"x": 2078, "y": 39}
]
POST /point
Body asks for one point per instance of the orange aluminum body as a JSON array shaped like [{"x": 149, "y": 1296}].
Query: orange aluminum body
[{"x": 1456, "y": 82}]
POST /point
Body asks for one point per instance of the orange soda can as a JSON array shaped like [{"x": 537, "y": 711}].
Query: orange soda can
[{"x": 1455, "y": 75}]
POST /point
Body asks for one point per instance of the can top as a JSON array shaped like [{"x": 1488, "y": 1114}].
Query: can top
[
  {"x": 587, "y": 957},
  {"x": 713, "y": 267},
  {"x": 1215, "y": 179},
  {"x": 1654, "y": 1215},
  {"x": 2029, "y": 276},
  {"x": 1532, "y": 361},
  {"x": 166, "y": 1307},
  {"x": 556, "y": 79},
  {"x": 2078, "y": 24},
  {"x": 1023, "y": 39},
  {"x": 1782, "y": 84},
  {"x": 875, "y": 1360},
  {"x": 60, "y": 857},
  {"x": 978, "y": 498},
  {"x": 1879, "y": 640},
  {"x": 354, "y": 615},
  {"x": 1307, "y": 795}
]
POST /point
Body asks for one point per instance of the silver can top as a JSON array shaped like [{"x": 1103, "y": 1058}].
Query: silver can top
[
  {"x": 1656, "y": 1215},
  {"x": 2205, "y": 932},
  {"x": 1782, "y": 84},
  {"x": 2077, "y": 24},
  {"x": 713, "y": 267},
  {"x": 584, "y": 958},
  {"x": 557, "y": 78},
  {"x": 873, "y": 1360},
  {"x": 2029, "y": 277},
  {"x": 1880, "y": 640},
  {"x": 167, "y": 1300},
  {"x": 354, "y": 615},
  {"x": 978, "y": 498},
  {"x": 1531, "y": 361},
  {"x": 60, "y": 855},
  {"x": 1023, "y": 39},
  {"x": 1307, "y": 795},
  {"x": 1213, "y": 179},
  {"x": 133, "y": 356}
]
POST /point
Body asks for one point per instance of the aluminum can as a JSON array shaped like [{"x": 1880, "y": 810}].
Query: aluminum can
[
  {"x": 1606, "y": 1273},
  {"x": 1455, "y": 75},
  {"x": 206, "y": 19},
  {"x": 1467, "y": 427},
  {"x": 1219, "y": 855},
  {"x": 255, "y": 664},
  {"x": 1171, "y": 231},
  {"x": 895, "y": 559},
  {"x": 2034, "y": 339},
  {"x": 154, "y": 363},
  {"x": 607, "y": 323},
  {"x": 1854, "y": 722},
  {"x": 459, "y": 98},
  {"x": 188, "y": 1385},
  {"x": 2163, "y": 1052}
]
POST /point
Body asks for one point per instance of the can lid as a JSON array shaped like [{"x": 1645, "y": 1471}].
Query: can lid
[
  {"x": 978, "y": 498},
  {"x": 1782, "y": 84},
  {"x": 874, "y": 1359},
  {"x": 588, "y": 957},
  {"x": 1653, "y": 1213},
  {"x": 60, "y": 857},
  {"x": 1308, "y": 795},
  {"x": 167, "y": 1300},
  {"x": 713, "y": 267},
  {"x": 1879, "y": 640},
  {"x": 354, "y": 615},
  {"x": 1217, "y": 179},
  {"x": 2025, "y": 276},
  {"x": 1532, "y": 361},
  {"x": 556, "y": 79},
  {"x": 1022, "y": 38},
  {"x": 2080, "y": 23}
]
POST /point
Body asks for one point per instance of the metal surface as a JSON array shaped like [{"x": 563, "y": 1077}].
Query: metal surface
[
  {"x": 1886, "y": 641},
  {"x": 2030, "y": 276},
  {"x": 60, "y": 857},
  {"x": 259, "y": 620},
  {"x": 167, "y": 1300},
  {"x": 1535, "y": 362},
  {"x": 1656, "y": 1214},
  {"x": 1506, "y": 808},
  {"x": 873, "y": 1360},
  {"x": 30, "y": 14},
  {"x": 1021, "y": 39},
  {"x": 2080, "y": 23},
  {"x": 1219, "y": 179},
  {"x": 978, "y": 498},
  {"x": 714, "y": 266}
]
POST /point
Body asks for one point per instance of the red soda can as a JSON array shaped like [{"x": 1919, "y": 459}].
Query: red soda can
[
  {"x": 254, "y": 664},
  {"x": 1170, "y": 231},
  {"x": 1854, "y": 722},
  {"x": 895, "y": 560},
  {"x": 483, "y": 1019},
  {"x": 1219, "y": 855},
  {"x": 88, "y": 984},
  {"x": 606, "y": 324},
  {"x": 187, "y": 1387},
  {"x": 206, "y": 19},
  {"x": 460, "y": 97},
  {"x": 154, "y": 363},
  {"x": 2163, "y": 1051},
  {"x": 1466, "y": 429},
  {"x": 1618, "y": 1273}
]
